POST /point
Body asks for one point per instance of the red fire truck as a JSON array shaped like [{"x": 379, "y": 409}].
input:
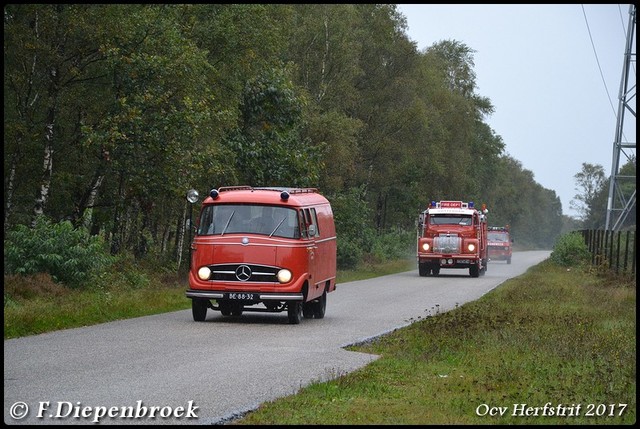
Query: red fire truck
[
  {"x": 500, "y": 248},
  {"x": 452, "y": 234},
  {"x": 263, "y": 249}
]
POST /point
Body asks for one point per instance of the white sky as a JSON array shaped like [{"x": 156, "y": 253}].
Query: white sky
[{"x": 539, "y": 68}]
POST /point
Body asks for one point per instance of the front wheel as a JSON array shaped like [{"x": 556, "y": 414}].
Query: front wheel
[
  {"x": 199, "y": 309},
  {"x": 474, "y": 271},
  {"x": 294, "y": 312}
]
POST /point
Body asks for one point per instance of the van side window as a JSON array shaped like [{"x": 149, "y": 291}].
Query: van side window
[
  {"x": 314, "y": 221},
  {"x": 307, "y": 218}
]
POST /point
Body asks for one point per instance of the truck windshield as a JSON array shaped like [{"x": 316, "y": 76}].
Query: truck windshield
[
  {"x": 450, "y": 220},
  {"x": 221, "y": 219},
  {"x": 498, "y": 236}
]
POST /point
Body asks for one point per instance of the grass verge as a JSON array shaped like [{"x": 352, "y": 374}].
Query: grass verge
[
  {"x": 553, "y": 346},
  {"x": 36, "y": 304}
]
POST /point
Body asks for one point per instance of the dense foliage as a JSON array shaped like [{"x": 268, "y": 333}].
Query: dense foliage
[
  {"x": 114, "y": 111},
  {"x": 71, "y": 256},
  {"x": 570, "y": 250}
]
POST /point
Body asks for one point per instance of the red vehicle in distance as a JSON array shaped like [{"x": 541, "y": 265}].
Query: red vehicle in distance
[{"x": 500, "y": 243}]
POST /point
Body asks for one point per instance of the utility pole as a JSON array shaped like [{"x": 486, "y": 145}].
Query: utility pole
[{"x": 618, "y": 204}]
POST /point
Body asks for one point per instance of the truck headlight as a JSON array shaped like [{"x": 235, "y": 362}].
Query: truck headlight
[
  {"x": 204, "y": 273},
  {"x": 284, "y": 276},
  {"x": 471, "y": 247},
  {"x": 425, "y": 247}
]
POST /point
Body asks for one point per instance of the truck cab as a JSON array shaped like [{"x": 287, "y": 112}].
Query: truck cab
[
  {"x": 452, "y": 234},
  {"x": 263, "y": 249}
]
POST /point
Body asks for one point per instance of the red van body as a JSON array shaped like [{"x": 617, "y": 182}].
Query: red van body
[{"x": 263, "y": 249}]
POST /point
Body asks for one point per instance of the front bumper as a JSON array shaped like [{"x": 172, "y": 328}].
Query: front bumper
[{"x": 244, "y": 296}]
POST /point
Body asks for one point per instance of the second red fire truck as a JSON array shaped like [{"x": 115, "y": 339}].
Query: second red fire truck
[
  {"x": 452, "y": 234},
  {"x": 500, "y": 247}
]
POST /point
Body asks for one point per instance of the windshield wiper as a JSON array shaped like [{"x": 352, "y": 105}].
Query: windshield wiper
[
  {"x": 228, "y": 222},
  {"x": 277, "y": 226}
]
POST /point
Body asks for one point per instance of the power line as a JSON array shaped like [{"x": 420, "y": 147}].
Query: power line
[{"x": 598, "y": 61}]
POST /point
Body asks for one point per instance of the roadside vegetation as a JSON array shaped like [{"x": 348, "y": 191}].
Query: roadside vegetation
[
  {"x": 553, "y": 336},
  {"x": 563, "y": 333}
]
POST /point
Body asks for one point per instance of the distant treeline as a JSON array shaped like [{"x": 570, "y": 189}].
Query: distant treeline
[{"x": 113, "y": 111}]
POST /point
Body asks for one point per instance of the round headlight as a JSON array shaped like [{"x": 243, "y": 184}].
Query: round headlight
[
  {"x": 471, "y": 247},
  {"x": 425, "y": 247},
  {"x": 204, "y": 273},
  {"x": 192, "y": 196},
  {"x": 284, "y": 276}
]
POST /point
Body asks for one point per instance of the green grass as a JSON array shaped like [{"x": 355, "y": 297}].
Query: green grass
[{"x": 551, "y": 336}]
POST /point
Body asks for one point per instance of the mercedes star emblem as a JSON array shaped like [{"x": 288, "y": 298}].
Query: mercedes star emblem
[{"x": 243, "y": 273}]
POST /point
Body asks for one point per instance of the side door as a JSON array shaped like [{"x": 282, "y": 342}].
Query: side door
[{"x": 309, "y": 228}]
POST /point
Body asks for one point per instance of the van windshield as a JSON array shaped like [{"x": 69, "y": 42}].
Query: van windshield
[{"x": 221, "y": 219}]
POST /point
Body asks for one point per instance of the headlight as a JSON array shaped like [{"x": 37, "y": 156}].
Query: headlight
[
  {"x": 204, "y": 273},
  {"x": 471, "y": 247},
  {"x": 284, "y": 276},
  {"x": 425, "y": 247}
]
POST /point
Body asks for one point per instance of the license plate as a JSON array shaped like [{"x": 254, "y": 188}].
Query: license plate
[{"x": 241, "y": 295}]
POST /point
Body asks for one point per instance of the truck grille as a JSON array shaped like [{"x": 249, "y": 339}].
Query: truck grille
[
  {"x": 243, "y": 273},
  {"x": 447, "y": 244}
]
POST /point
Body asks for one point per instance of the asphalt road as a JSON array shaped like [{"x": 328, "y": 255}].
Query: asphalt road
[{"x": 184, "y": 372}]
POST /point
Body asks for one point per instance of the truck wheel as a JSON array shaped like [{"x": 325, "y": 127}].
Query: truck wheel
[
  {"x": 509, "y": 260},
  {"x": 199, "y": 309},
  {"x": 474, "y": 271},
  {"x": 423, "y": 270},
  {"x": 435, "y": 271},
  {"x": 320, "y": 306},
  {"x": 294, "y": 312}
]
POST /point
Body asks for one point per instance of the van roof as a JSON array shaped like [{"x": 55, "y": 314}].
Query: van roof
[{"x": 266, "y": 195}]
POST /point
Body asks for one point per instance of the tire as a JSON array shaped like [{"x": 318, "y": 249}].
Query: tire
[
  {"x": 509, "y": 260},
  {"x": 199, "y": 309},
  {"x": 435, "y": 271},
  {"x": 423, "y": 270},
  {"x": 294, "y": 312},
  {"x": 320, "y": 306},
  {"x": 308, "y": 309},
  {"x": 474, "y": 271},
  {"x": 225, "y": 308}
]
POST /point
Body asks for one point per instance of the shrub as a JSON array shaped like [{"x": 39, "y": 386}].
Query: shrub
[
  {"x": 71, "y": 256},
  {"x": 570, "y": 250}
]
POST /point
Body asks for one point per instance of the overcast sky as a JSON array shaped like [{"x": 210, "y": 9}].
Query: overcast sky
[{"x": 552, "y": 75}]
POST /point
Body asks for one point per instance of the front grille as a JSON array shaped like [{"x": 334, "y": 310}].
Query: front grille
[
  {"x": 447, "y": 244},
  {"x": 243, "y": 273}
]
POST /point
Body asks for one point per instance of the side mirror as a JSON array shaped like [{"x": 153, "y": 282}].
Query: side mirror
[{"x": 312, "y": 230}]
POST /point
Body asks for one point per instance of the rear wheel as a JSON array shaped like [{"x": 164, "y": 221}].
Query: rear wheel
[
  {"x": 308, "y": 309},
  {"x": 320, "y": 306},
  {"x": 199, "y": 309},
  {"x": 225, "y": 308},
  {"x": 294, "y": 312}
]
